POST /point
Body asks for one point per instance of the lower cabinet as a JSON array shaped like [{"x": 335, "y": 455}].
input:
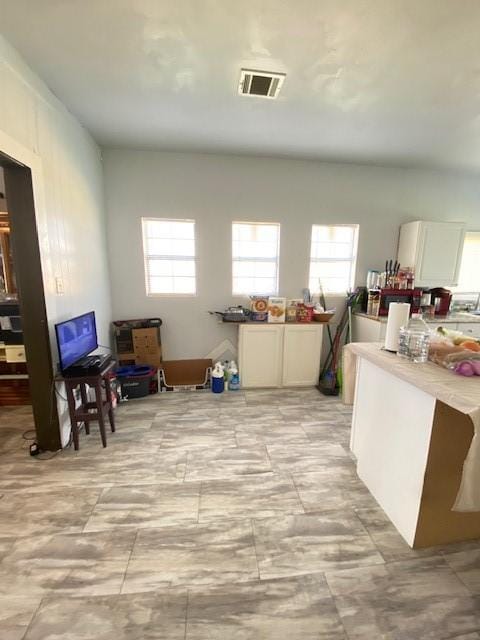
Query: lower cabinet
[
  {"x": 372, "y": 330},
  {"x": 279, "y": 355},
  {"x": 367, "y": 329}
]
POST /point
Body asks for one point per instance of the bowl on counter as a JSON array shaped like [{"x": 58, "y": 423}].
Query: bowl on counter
[{"x": 324, "y": 316}]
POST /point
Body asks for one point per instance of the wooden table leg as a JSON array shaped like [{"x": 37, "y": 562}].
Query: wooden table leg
[
  {"x": 100, "y": 417},
  {"x": 73, "y": 419},
  {"x": 108, "y": 391},
  {"x": 83, "y": 395}
]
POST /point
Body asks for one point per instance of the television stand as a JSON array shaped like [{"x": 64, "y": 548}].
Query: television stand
[{"x": 90, "y": 411}]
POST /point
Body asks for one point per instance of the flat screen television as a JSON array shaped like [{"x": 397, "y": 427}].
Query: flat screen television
[{"x": 76, "y": 338}]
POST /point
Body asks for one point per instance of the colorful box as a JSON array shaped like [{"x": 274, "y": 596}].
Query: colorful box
[
  {"x": 276, "y": 309},
  {"x": 259, "y": 308}
]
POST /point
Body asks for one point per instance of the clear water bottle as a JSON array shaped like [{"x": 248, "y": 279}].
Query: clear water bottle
[
  {"x": 418, "y": 345},
  {"x": 414, "y": 340},
  {"x": 403, "y": 343}
]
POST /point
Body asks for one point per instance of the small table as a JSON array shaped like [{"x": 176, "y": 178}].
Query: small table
[{"x": 90, "y": 411}]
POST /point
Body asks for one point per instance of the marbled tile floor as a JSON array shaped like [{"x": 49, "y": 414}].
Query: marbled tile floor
[{"x": 232, "y": 517}]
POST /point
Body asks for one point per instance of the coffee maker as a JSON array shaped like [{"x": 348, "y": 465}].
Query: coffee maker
[{"x": 440, "y": 300}]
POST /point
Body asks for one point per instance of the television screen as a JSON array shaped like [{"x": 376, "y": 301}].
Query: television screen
[{"x": 76, "y": 338}]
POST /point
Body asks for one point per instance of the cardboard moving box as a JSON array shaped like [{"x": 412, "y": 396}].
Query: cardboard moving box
[{"x": 146, "y": 346}]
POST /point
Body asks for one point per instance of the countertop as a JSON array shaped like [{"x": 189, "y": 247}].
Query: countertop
[
  {"x": 461, "y": 393},
  {"x": 452, "y": 318},
  {"x": 273, "y": 324}
]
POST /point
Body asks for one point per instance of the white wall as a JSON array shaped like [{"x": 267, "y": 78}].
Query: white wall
[
  {"x": 68, "y": 186},
  {"x": 216, "y": 189},
  {"x": 71, "y": 217}
]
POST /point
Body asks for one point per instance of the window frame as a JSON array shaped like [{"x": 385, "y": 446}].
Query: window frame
[
  {"x": 352, "y": 259},
  {"x": 146, "y": 257},
  {"x": 250, "y": 259}
]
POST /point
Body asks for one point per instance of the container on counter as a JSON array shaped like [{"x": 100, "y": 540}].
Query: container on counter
[
  {"x": 259, "y": 308},
  {"x": 413, "y": 344},
  {"x": 291, "y": 313},
  {"x": 305, "y": 312},
  {"x": 373, "y": 277},
  {"x": 276, "y": 309},
  {"x": 373, "y": 304}
]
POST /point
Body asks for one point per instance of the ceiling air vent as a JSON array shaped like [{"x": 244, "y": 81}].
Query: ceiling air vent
[{"x": 262, "y": 84}]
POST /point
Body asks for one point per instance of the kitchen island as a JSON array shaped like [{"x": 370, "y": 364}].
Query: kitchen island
[{"x": 413, "y": 434}]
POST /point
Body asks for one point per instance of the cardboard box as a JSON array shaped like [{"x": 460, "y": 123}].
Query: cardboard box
[
  {"x": 146, "y": 347},
  {"x": 259, "y": 308},
  {"x": 276, "y": 309}
]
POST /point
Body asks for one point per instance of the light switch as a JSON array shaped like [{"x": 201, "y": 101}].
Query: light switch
[{"x": 59, "y": 286}]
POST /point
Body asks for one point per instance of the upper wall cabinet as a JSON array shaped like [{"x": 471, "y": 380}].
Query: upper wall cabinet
[{"x": 434, "y": 250}]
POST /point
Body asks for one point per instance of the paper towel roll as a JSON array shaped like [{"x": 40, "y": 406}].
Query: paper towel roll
[{"x": 398, "y": 314}]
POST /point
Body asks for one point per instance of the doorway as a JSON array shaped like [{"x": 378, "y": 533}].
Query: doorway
[{"x": 22, "y": 288}]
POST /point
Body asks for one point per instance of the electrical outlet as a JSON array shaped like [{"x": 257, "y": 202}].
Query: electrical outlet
[{"x": 59, "y": 286}]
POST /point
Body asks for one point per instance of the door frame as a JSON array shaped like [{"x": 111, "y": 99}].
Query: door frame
[{"x": 26, "y": 206}]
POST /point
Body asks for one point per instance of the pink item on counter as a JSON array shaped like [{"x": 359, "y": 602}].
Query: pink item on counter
[{"x": 468, "y": 368}]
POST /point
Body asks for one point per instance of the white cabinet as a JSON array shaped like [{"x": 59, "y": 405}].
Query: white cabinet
[
  {"x": 434, "y": 250},
  {"x": 285, "y": 355},
  {"x": 260, "y": 355},
  {"x": 367, "y": 329},
  {"x": 302, "y": 345},
  {"x": 467, "y": 328}
]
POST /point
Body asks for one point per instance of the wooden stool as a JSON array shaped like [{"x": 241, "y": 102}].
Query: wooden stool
[{"x": 90, "y": 411}]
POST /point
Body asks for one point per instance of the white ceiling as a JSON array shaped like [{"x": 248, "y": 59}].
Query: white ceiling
[{"x": 381, "y": 81}]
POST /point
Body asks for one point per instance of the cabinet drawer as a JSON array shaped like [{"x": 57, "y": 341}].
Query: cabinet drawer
[
  {"x": 14, "y": 392},
  {"x": 15, "y": 353}
]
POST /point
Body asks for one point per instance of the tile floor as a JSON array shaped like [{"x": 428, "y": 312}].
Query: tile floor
[{"x": 233, "y": 517}]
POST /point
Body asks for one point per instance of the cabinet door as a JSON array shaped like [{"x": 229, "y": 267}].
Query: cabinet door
[
  {"x": 260, "y": 355},
  {"x": 302, "y": 346},
  {"x": 439, "y": 253},
  {"x": 367, "y": 329},
  {"x": 469, "y": 328}
]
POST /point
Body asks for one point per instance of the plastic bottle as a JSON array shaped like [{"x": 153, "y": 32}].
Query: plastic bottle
[
  {"x": 231, "y": 366},
  {"x": 226, "y": 373},
  {"x": 414, "y": 339},
  {"x": 234, "y": 380},
  {"x": 218, "y": 381}
]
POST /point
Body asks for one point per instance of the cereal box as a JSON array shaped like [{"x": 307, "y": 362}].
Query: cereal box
[{"x": 276, "y": 309}]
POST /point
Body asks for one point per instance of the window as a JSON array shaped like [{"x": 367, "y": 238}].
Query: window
[
  {"x": 169, "y": 253},
  {"x": 333, "y": 256},
  {"x": 469, "y": 276},
  {"x": 255, "y": 249}
]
